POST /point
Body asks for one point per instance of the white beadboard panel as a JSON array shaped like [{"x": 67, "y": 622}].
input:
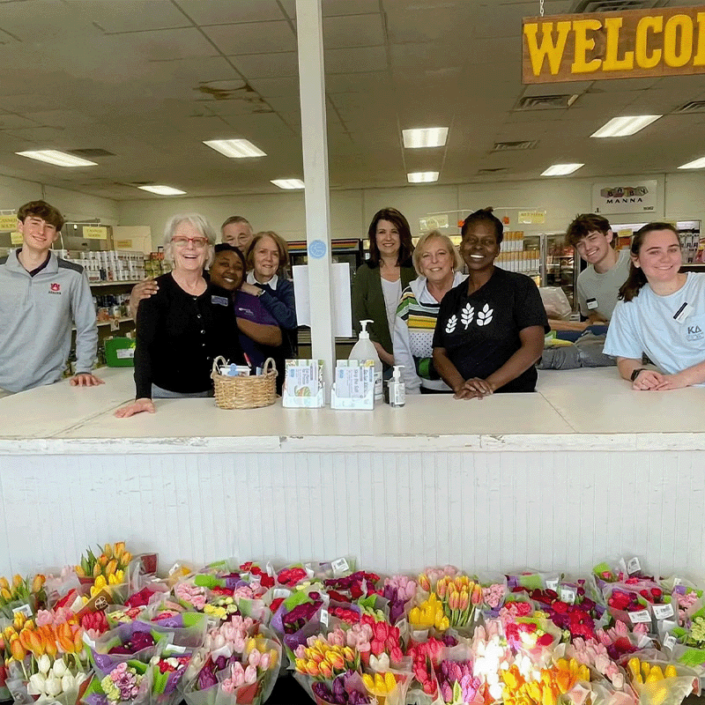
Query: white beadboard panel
[{"x": 391, "y": 511}]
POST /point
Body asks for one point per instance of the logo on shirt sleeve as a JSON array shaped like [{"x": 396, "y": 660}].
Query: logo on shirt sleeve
[
  {"x": 484, "y": 317},
  {"x": 54, "y": 288}
]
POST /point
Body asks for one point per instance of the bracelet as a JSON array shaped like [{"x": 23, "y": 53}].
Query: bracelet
[{"x": 636, "y": 372}]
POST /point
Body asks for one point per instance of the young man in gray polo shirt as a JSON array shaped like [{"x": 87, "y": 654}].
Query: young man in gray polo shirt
[
  {"x": 597, "y": 292},
  {"x": 607, "y": 270},
  {"x": 41, "y": 296}
]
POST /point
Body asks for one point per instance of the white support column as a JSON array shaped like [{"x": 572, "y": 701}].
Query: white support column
[{"x": 309, "y": 27}]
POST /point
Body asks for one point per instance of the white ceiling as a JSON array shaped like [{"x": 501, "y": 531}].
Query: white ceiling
[{"x": 149, "y": 80}]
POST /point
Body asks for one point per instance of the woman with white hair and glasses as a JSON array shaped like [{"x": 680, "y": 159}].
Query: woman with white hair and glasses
[
  {"x": 185, "y": 325},
  {"x": 438, "y": 265}
]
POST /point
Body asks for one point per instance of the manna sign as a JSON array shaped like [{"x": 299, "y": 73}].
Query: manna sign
[{"x": 629, "y": 44}]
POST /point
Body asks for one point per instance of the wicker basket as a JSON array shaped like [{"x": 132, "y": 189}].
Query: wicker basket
[{"x": 245, "y": 392}]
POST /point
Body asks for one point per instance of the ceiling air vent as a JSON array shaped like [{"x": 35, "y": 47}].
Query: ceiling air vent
[
  {"x": 615, "y": 5},
  {"x": 547, "y": 102},
  {"x": 514, "y": 146},
  {"x": 694, "y": 106},
  {"x": 491, "y": 171},
  {"x": 91, "y": 152}
]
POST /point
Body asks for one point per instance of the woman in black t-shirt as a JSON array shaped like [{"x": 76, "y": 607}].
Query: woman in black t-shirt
[{"x": 490, "y": 328}]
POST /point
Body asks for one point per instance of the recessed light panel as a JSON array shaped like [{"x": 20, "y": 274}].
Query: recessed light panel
[
  {"x": 697, "y": 164},
  {"x": 561, "y": 169},
  {"x": 425, "y": 137},
  {"x": 288, "y": 183},
  {"x": 236, "y": 149},
  {"x": 625, "y": 125},
  {"x": 422, "y": 177},
  {"x": 162, "y": 190},
  {"x": 53, "y": 156}
]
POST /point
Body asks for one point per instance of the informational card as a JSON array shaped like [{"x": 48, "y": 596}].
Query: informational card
[{"x": 342, "y": 302}]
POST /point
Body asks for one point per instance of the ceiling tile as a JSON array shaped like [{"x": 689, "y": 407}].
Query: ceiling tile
[
  {"x": 353, "y": 31},
  {"x": 273, "y": 87},
  {"x": 332, "y": 8},
  {"x": 267, "y": 65},
  {"x": 354, "y": 60},
  {"x": 129, "y": 15},
  {"x": 215, "y": 12},
  {"x": 372, "y": 82},
  {"x": 253, "y": 38},
  {"x": 162, "y": 45}
]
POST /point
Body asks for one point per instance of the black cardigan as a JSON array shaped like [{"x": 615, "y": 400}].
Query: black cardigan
[{"x": 179, "y": 336}]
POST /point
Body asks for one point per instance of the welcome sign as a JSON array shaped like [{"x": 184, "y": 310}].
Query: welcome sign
[{"x": 628, "y": 44}]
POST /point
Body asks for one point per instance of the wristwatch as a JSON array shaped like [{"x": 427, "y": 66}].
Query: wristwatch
[{"x": 636, "y": 372}]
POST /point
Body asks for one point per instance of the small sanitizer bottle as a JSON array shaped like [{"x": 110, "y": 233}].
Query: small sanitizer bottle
[{"x": 397, "y": 389}]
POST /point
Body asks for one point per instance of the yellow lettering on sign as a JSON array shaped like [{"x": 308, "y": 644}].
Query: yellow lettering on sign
[
  {"x": 583, "y": 45},
  {"x": 674, "y": 55},
  {"x": 612, "y": 62},
  {"x": 699, "y": 58},
  {"x": 16, "y": 238},
  {"x": 547, "y": 48},
  {"x": 641, "y": 47}
]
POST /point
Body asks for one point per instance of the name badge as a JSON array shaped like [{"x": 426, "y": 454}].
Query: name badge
[
  {"x": 220, "y": 300},
  {"x": 683, "y": 312},
  {"x": 591, "y": 303}
]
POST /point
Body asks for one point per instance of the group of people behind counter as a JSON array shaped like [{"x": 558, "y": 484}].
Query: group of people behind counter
[{"x": 471, "y": 333}]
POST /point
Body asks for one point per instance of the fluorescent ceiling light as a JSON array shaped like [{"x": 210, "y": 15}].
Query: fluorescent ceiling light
[
  {"x": 625, "y": 126},
  {"x": 288, "y": 183},
  {"x": 235, "y": 149},
  {"x": 697, "y": 164},
  {"x": 162, "y": 190},
  {"x": 422, "y": 177},
  {"x": 53, "y": 156},
  {"x": 425, "y": 137},
  {"x": 561, "y": 169}
]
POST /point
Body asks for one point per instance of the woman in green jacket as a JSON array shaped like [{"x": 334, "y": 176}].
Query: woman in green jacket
[{"x": 380, "y": 280}]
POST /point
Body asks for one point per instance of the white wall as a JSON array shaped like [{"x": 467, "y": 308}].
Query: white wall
[
  {"x": 73, "y": 205},
  {"x": 680, "y": 196}
]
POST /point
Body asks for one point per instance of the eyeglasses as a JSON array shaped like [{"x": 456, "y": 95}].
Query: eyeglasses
[{"x": 198, "y": 242}]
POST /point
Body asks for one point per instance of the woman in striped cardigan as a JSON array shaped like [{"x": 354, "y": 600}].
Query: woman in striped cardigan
[{"x": 438, "y": 265}]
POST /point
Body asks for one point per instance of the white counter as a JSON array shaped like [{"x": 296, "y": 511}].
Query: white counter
[
  {"x": 572, "y": 410},
  {"x": 584, "y": 469}
]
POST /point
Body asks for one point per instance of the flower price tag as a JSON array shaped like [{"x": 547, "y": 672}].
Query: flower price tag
[
  {"x": 282, "y": 593},
  {"x": 663, "y": 611},
  {"x": 633, "y": 566},
  {"x": 644, "y": 642},
  {"x": 324, "y": 618},
  {"x": 340, "y": 566},
  {"x": 270, "y": 569},
  {"x": 677, "y": 582},
  {"x": 552, "y": 584},
  {"x": 88, "y": 641},
  {"x": 174, "y": 649},
  {"x": 26, "y": 610},
  {"x": 642, "y": 616},
  {"x": 669, "y": 642},
  {"x": 568, "y": 594},
  {"x": 309, "y": 571},
  {"x": 222, "y": 651}
]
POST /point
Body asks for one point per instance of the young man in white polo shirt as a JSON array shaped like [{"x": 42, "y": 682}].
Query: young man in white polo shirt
[{"x": 41, "y": 297}]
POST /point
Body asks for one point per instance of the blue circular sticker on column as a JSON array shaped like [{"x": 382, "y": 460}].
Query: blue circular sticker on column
[{"x": 317, "y": 249}]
